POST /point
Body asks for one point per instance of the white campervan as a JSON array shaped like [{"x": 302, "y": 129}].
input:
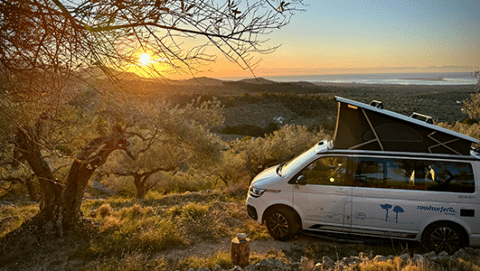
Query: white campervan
[{"x": 370, "y": 186}]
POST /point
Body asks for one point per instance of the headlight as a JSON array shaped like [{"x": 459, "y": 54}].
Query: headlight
[{"x": 256, "y": 192}]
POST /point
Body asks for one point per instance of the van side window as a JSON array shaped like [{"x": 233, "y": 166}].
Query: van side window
[
  {"x": 392, "y": 173},
  {"x": 330, "y": 170}
]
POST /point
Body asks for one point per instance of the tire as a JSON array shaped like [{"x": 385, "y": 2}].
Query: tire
[
  {"x": 444, "y": 236},
  {"x": 282, "y": 224}
]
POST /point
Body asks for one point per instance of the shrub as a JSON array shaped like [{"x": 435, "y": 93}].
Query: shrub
[
  {"x": 193, "y": 211},
  {"x": 104, "y": 210}
]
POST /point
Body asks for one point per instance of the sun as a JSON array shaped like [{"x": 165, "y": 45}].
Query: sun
[{"x": 144, "y": 59}]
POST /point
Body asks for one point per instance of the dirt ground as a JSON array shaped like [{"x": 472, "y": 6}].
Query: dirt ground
[{"x": 304, "y": 245}]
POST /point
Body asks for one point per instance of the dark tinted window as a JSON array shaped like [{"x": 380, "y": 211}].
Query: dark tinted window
[
  {"x": 331, "y": 170},
  {"x": 411, "y": 174}
]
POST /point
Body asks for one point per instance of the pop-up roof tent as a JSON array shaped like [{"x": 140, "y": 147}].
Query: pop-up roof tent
[{"x": 370, "y": 127}]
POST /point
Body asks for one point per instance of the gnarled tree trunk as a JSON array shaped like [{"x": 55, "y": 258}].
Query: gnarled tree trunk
[{"x": 60, "y": 209}]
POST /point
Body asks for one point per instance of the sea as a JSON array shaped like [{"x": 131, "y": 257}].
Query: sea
[{"x": 451, "y": 78}]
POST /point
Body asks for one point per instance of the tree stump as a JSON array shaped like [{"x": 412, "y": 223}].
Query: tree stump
[{"x": 240, "y": 251}]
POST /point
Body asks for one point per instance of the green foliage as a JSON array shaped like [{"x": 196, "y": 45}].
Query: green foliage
[
  {"x": 249, "y": 156},
  {"x": 166, "y": 138},
  {"x": 11, "y": 216},
  {"x": 157, "y": 224}
]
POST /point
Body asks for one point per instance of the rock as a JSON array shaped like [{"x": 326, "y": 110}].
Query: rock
[
  {"x": 379, "y": 258},
  {"x": 419, "y": 259},
  {"x": 472, "y": 251},
  {"x": 348, "y": 260},
  {"x": 242, "y": 236},
  {"x": 277, "y": 264},
  {"x": 461, "y": 253},
  {"x": 443, "y": 255},
  {"x": 264, "y": 265},
  {"x": 250, "y": 267},
  {"x": 327, "y": 262},
  {"x": 192, "y": 269},
  {"x": 405, "y": 257},
  {"x": 217, "y": 268},
  {"x": 390, "y": 257},
  {"x": 292, "y": 266},
  {"x": 356, "y": 259},
  {"x": 202, "y": 269},
  {"x": 431, "y": 254},
  {"x": 236, "y": 268}
]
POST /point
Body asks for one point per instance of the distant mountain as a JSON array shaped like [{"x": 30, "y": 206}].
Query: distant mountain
[
  {"x": 98, "y": 73},
  {"x": 206, "y": 81},
  {"x": 258, "y": 80}
]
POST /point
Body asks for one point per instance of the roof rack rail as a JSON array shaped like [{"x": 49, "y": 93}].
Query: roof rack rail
[
  {"x": 422, "y": 117},
  {"x": 377, "y": 104}
]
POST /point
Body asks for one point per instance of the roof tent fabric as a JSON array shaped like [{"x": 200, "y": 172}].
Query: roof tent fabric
[{"x": 364, "y": 127}]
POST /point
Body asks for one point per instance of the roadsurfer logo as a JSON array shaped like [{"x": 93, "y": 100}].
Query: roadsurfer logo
[{"x": 445, "y": 210}]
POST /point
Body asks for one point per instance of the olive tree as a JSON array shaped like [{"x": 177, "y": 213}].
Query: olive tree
[
  {"x": 167, "y": 138},
  {"x": 49, "y": 48}
]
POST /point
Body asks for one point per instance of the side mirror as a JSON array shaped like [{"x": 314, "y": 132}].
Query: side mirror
[{"x": 302, "y": 180}]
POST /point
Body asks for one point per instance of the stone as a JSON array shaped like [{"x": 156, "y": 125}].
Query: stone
[
  {"x": 327, "y": 262},
  {"x": 405, "y": 257},
  {"x": 250, "y": 267},
  {"x": 379, "y": 258},
  {"x": 277, "y": 264},
  {"x": 443, "y": 255},
  {"x": 461, "y": 253},
  {"x": 293, "y": 266},
  {"x": 264, "y": 265},
  {"x": 431, "y": 254},
  {"x": 419, "y": 259},
  {"x": 217, "y": 268},
  {"x": 348, "y": 260}
]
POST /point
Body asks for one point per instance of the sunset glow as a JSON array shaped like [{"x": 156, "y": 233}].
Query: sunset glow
[
  {"x": 360, "y": 37},
  {"x": 345, "y": 36},
  {"x": 144, "y": 59}
]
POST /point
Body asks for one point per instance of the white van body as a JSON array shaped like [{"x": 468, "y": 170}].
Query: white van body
[{"x": 433, "y": 198}]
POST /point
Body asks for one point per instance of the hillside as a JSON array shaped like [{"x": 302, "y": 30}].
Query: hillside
[
  {"x": 194, "y": 229},
  {"x": 190, "y": 230}
]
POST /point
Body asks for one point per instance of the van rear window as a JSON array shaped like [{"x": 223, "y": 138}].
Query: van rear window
[{"x": 394, "y": 173}]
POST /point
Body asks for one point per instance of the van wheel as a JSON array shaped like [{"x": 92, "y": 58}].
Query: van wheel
[
  {"x": 444, "y": 237},
  {"x": 282, "y": 224}
]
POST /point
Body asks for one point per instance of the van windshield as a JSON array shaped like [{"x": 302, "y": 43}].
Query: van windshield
[{"x": 289, "y": 167}]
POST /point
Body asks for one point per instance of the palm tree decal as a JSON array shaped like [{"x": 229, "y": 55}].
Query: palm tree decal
[
  {"x": 386, "y": 206},
  {"x": 397, "y": 209}
]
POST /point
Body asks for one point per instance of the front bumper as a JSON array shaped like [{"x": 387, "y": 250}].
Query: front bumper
[{"x": 252, "y": 212}]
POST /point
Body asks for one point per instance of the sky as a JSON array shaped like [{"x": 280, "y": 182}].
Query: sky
[{"x": 367, "y": 36}]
